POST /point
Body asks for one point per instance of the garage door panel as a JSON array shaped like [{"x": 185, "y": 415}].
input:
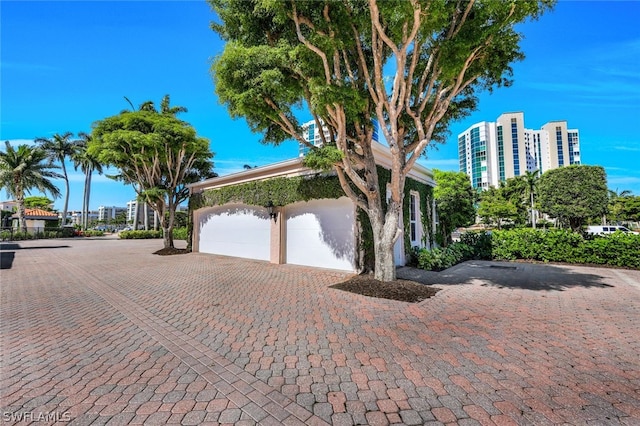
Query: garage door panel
[
  {"x": 236, "y": 230},
  {"x": 321, "y": 233}
]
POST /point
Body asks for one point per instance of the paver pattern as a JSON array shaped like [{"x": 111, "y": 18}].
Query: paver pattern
[{"x": 105, "y": 332}]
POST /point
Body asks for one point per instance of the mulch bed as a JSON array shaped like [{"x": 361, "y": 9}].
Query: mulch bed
[
  {"x": 170, "y": 251},
  {"x": 400, "y": 290}
]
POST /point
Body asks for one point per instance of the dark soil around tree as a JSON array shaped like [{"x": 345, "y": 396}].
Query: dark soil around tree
[
  {"x": 168, "y": 251},
  {"x": 400, "y": 290}
]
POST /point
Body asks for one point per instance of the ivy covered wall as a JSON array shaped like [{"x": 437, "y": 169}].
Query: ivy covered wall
[{"x": 282, "y": 191}]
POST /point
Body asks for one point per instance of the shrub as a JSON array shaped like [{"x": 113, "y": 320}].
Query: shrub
[
  {"x": 140, "y": 235},
  {"x": 180, "y": 233},
  {"x": 67, "y": 232},
  {"x": 554, "y": 245},
  {"x": 93, "y": 233},
  {"x": 559, "y": 245},
  {"x": 438, "y": 259},
  {"x": 480, "y": 242}
]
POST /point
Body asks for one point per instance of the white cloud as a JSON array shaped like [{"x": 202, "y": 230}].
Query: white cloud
[{"x": 627, "y": 148}]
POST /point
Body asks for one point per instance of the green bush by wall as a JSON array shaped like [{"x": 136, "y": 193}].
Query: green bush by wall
[
  {"x": 140, "y": 235},
  {"x": 559, "y": 245},
  {"x": 554, "y": 245}
]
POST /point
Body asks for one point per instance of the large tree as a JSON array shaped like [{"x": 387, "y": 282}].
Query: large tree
[
  {"x": 60, "y": 147},
  {"x": 454, "y": 199},
  {"x": 24, "y": 169},
  {"x": 412, "y": 66},
  {"x": 573, "y": 193},
  {"x": 514, "y": 190},
  {"x": 158, "y": 154},
  {"x": 38, "y": 202},
  {"x": 88, "y": 164},
  {"x": 496, "y": 207}
]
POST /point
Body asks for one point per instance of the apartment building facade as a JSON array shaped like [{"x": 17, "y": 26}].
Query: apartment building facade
[
  {"x": 491, "y": 152},
  {"x": 312, "y": 133}
]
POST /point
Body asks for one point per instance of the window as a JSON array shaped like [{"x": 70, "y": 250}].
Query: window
[
  {"x": 514, "y": 146},
  {"x": 414, "y": 214}
]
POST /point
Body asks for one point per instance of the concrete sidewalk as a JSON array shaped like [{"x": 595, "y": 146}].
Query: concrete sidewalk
[{"x": 105, "y": 332}]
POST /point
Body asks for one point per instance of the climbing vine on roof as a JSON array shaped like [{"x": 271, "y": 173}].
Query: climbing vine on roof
[{"x": 280, "y": 191}]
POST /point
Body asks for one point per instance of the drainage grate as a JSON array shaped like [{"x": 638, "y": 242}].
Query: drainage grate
[{"x": 502, "y": 267}]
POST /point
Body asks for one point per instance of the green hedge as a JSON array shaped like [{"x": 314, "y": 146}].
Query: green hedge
[
  {"x": 554, "y": 245},
  {"x": 47, "y": 233},
  {"x": 140, "y": 235},
  {"x": 559, "y": 245},
  {"x": 178, "y": 234}
]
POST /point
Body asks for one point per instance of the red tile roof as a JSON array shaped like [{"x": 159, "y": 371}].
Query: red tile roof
[{"x": 30, "y": 213}]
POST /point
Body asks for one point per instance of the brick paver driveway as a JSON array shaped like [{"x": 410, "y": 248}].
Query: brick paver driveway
[{"x": 105, "y": 332}]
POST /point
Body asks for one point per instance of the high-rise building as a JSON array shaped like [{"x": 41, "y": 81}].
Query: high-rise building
[
  {"x": 107, "y": 214},
  {"x": 311, "y": 132},
  {"x": 491, "y": 152}
]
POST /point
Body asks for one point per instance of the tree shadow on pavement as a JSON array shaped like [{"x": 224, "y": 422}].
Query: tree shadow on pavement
[
  {"x": 7, "y": 253},
  {"x": 13, "y": 246},
  {"x": 507, "y": 275}
]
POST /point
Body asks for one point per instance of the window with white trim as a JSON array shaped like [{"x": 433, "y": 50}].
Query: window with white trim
[{"x": 414, "y": 218}]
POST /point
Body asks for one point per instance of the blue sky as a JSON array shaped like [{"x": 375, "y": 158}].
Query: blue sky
[{"x": 65, "y": 65}]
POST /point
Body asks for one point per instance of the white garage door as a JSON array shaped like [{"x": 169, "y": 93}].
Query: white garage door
[
  {"x": 235, "y": 230},
  {"x": 321, "y": 233}
]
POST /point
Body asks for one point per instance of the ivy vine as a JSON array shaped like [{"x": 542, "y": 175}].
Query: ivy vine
[{"x": 282, "y": 191}]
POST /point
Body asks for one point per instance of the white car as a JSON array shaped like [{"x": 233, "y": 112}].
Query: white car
[{"x": 608, "y": 229}]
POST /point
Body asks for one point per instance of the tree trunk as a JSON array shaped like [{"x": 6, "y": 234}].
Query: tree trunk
[
  {"x": 66, "y": 193},
  {"x": 88, "y": 199},
  {"x": 83, "y": 218},
  {"x": 22, "y": 223},
  {"x": 533, "y": 214},
  {"x": 167, "y": 224},
  {"x": 385, "y": 234},
  {"x": 136, "y": 210}
]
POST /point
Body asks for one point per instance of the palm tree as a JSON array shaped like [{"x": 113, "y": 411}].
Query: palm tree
[
  {"x": 24, "y": 169},
  {"x": 88, "y": 164},
  {"x": 531, "y": 179},
  {"x": 59, "y": 148},
  {"x": 614, "y": 199}
]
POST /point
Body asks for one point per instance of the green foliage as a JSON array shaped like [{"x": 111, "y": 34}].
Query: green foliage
[
  {"x": 38, "y": 202},
  {"x": 623, "y": 207},
  {"x": 49, "y": 232},
  {"x": 323, "y": 158},
  {"x": 329, "y": 59},
  {"x": 280, "y": 191},
  {"x": 454, "y": 198},
  {"x": 495, "y": 207},
  {"x": 472, "y": 245},
  {"x": 558, "y": 245},
  {"x": 180, "y": 233},
  {"x": 59, "y": 148},
  {"x": 24, "y": 169},
  {"x": 515, "y": 191},
  {"x": 92, "y": 233},
  {"x": 438, "y": 259},
  {"x": 555, "y": 245},
  {"x": 66, "y": 232},
  {"x": 156, "y": 152},
  {"x": 140, "y": 235},
  {"x": 573, "y": 193},
  {"x": 480, "y": 242}
]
